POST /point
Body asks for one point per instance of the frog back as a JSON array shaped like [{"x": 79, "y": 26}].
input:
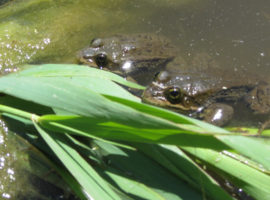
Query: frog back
[{"x": 140, "y": 47}]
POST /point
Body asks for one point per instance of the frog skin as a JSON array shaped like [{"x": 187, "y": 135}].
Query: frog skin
[
  {"x": 136, "y": 57},
  {"x": 204, "y": 90}
]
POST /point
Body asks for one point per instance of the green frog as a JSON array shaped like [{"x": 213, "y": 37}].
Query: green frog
[
  {"x": 202, "y": 89},
  {"x": 136, "y": 57}
]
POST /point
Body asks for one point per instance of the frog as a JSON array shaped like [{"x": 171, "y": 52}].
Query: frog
[
  {"x": 136, "y": 57},
  {"x": 202, "y": 89}
]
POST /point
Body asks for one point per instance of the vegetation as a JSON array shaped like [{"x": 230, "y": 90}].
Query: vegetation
[{"x": 112, "y": 146}]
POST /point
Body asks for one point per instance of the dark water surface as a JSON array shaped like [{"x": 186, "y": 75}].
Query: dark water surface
[{"x": 235, "y": 33}]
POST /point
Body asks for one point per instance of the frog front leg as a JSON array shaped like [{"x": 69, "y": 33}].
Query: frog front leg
[{"x": 217, "y": 114}]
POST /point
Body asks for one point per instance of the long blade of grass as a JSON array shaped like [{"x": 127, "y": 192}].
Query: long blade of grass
[
  {"x": 166, "y": 114},
  {"x": 259, "y": 152},
  {"x": 86, "y": 126},
  {"x": 72, "y": 70},
  {"x": 93, "y": 185},
  {"x": 252, "y": 181},
  {"x": 176, "y": 161},
  {"x": 52, "y": 85},
  {"x": 62, "y": 93},
  {"x": 151, "y": 180}
]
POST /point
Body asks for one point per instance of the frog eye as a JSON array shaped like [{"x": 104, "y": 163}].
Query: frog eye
[
  {"x": 101, "y": 60},
  {"x": 173, "y": 95}
]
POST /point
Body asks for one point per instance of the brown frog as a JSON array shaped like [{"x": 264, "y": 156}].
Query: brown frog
[
  {"x": 203, "y": 90},
  {"x": 136, "y": 56}
]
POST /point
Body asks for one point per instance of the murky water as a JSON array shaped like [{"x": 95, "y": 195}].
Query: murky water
[{"x": 236, "y": 33}]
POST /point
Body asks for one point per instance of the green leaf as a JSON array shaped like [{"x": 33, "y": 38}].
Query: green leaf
[
  {"x": 145, "y": 133},
  {"x": 176, "y": 161},
  {"x": 252, "y": 181},
  {"x": 72, "y": 70},
  {"x": 90, "y": 103},
  {"x": 169, "y": 115},
  {"x": 255, "y": 148},
  {"x": 143, "y": 178},
  {"x": 93, "y": 185},
  {"x": 75, "y": 97}
]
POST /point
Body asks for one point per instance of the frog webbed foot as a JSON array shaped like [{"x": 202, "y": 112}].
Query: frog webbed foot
[
  {"x": 218, "y": 114},
  {"x": 259, "y": 99}
]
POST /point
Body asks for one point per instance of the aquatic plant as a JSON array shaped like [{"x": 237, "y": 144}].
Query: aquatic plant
[{"x": 112, "y": 146}]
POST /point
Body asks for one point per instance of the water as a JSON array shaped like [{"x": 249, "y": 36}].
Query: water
[{"x": 235, "y": 33}]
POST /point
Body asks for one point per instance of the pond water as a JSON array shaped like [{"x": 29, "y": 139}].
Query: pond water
[{"x": 236, "y": 33}]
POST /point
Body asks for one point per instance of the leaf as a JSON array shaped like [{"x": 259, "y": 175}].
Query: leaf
[
  {"x": 93, "y": 185},
  {"x": 143, "y": 178},
  {"x": 176, "y": 161},
  {"x": 252, "y": 181},
  {"x": 255, "y": 148},
  {"x": 86, "y": 126},
  {"x": 169, "y": 115},
  {"x": 72, "y": 70},
  {"x": 91, "y": 104},
  {"x": 74, "y": 97}
]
